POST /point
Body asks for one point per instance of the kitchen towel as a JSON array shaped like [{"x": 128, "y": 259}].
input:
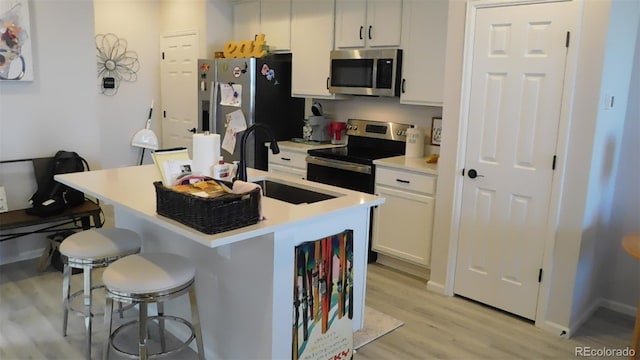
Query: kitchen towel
[
  {"x": 415, "y": 142},
  {"x": 206, "y": 151}
]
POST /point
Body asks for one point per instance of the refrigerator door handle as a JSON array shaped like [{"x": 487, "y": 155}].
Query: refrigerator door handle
[{"x": 213, "y": 108}]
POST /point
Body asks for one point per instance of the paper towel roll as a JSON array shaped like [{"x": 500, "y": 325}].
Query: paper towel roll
[
  {"x": 206, "y": 151},
  {"x": 415, "y": 142}
]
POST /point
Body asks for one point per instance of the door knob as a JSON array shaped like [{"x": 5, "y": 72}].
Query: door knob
[{"x": 474, "y": 174}]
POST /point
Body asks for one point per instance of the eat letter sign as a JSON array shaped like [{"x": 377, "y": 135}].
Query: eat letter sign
[{"x": 245, "y": 48}]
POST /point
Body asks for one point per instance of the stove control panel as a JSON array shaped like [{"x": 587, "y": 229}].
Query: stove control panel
[{"x": 377, "y": 129}]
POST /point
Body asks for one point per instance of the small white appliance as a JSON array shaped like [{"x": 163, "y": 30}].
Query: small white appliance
[{"x": 317, "y": 129}]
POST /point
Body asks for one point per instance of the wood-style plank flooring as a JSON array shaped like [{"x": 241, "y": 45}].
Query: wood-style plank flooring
[{"x": 436, "y": 326}]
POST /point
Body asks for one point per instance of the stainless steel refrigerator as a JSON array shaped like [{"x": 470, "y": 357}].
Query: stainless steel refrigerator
[{"x": 265, "y": 97}]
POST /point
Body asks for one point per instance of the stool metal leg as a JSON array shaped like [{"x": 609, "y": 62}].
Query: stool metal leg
[
  {"x": 108, "y": 309},
  {"x": 87, "y": 308},
  {"x": 195, "y": 321},
  {"x": 163, "y": 340},
  {"x": 142, "y": 333},
  {"x": 66, "y": 288}
]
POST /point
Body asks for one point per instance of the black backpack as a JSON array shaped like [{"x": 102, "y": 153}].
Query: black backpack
[{"x": 52, "y": 197}]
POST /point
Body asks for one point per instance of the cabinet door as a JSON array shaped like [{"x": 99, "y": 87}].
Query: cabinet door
[
  {"x": 403, "y": 225},
  {"x": 246, "y": 20},
  {"x": 384, "y": 23},
  {"x": 275, "y": 23},
  {"x": 351, "y": 23},
  {"x": 311, "y": 43},
  {"x": 424, "y": 37}
]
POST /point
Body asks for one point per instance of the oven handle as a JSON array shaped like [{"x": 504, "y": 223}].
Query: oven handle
[{"x": 337, "y": 164}]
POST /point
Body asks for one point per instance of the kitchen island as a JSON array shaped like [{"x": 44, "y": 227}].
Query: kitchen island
[{"x": 244, "y": 277}]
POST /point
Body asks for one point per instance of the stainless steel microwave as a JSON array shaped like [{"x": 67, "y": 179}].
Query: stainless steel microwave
[{"x": 374, "y": 72}]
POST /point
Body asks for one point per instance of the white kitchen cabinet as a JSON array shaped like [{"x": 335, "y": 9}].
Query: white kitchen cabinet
[
  {"x": 246, "y": 20},
  {"x": 312, "y": 32},
  {"x": 403, "y": 225},
  {"x": 269, "y": 17},
  {"x": 289, "y": 162},
  {"x": 424, "y": 37},
  {"x": 368, "y": 23}
]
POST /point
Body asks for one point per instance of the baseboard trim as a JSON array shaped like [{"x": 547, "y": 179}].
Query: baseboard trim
[
  {"x": 619, "y": 307},
  {"x": 25, "y": 255},
  {"x": 554, "y": 328},
  {"x": 415, "y": 270},
  {"x": 436, "y": 287},
  {"x": 584, "y": 316}
]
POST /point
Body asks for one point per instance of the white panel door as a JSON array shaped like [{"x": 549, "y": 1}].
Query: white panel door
[
  {"x": 519, "y": 57},
  {"x": 179, "y": 89}
]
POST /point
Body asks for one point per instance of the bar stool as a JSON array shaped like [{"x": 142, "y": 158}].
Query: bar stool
[
  {"x": 88, "y": 250},
  {"x": 150, "y": 278},
  {"x": 631, "y": 244}
]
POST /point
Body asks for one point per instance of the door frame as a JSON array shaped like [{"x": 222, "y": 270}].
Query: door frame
[{"x": 562, "y": 144}]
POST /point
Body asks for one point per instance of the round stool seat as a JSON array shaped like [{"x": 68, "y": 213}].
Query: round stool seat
[
  {"x": 148, "y": 273},
  {"x": 100, "y": 243},
  {"x": 146, "y": 278}
]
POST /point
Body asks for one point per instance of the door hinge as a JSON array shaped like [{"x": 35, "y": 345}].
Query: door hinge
[
  {"x": 540, "y": 275},
  {"x": 553, "y": 165},
  {"x": 566, "y": 43},
  {"x": 163, "y": 55},
  {"x": 164, "y": 114},
  {"x": 462, "y": 171}
]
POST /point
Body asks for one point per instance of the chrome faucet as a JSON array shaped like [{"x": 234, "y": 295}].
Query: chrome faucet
[{"x": 242, "y": 167}]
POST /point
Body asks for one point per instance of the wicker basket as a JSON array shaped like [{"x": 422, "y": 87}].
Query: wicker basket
[{"x": 210, "y": 216}]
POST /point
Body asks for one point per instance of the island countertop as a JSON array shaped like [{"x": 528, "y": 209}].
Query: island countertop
[
  {"x": 243, "y": 276},
  {"x": 132, "y": 188}
]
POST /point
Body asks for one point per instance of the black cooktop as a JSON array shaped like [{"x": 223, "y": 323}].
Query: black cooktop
[{"x": 358, "y": 154}]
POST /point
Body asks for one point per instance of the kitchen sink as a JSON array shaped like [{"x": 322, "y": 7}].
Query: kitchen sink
[{"x": 290, "y": 193}]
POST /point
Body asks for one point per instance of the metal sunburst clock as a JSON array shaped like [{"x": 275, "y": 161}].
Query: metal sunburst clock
[{"x": 115, "y": 62}]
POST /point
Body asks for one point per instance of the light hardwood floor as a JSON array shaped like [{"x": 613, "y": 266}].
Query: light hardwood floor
[{"x": 436, "y": 327}]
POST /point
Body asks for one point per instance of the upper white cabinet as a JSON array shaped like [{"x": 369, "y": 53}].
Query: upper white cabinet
[
  {"x": 368, "y": 23},
  {"x": 424, "y": 37},
  {"x": 269, "y": 17},
  {"x": 311, "y": 43}
]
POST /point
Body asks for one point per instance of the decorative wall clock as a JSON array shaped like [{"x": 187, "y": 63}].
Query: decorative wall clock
[{"x": 115, "y": 62}]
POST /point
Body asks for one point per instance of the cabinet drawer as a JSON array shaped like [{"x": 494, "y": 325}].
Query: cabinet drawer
[
  {"x": 289, "y": 158},
  {"x": 423, "y": 183}
]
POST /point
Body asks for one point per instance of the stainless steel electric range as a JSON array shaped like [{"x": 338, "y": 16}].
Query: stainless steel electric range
[{"x": 351, "y": 166}]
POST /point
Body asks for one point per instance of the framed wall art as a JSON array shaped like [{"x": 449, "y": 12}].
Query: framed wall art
[
  {"x": 436, "y": 131},
  {"x": 16, "y": 58}
]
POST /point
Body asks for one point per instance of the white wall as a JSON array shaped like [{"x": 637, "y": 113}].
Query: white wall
[
  {"x": 383, "y": 109},
  {"x": 123, "y": 114},
  {"x": 603, "y": 232},
  {"x": 625, "y": 217},
  {"x": 57, "y": 110}
]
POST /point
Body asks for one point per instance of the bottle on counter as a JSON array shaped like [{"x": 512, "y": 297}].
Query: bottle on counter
[{"x": 221, "y": 171}]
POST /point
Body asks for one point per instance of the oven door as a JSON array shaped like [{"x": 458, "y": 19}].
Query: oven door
[
  {"x": 342, "y": 174},
  {"x": 347, "y": 175}
]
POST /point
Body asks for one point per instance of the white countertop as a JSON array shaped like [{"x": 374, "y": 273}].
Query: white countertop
[
  {"x": 132, "y": 188},
  {"x": 408, "y": 163},
  {"x": 302, "y": 147}
]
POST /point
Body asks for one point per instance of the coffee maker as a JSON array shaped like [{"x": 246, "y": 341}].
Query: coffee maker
[{"x": 316, "y": 129}]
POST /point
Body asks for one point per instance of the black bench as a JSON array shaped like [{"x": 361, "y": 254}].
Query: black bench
[{"x": 76, "y": 218}]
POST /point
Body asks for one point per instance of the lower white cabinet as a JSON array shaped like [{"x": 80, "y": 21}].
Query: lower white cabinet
[
  {"x": 403, "y": 225},
  {"x": 288, "y": 162}
]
